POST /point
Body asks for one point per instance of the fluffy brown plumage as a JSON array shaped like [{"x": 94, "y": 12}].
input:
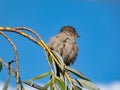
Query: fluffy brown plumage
[{"x": 65, "y": 44}]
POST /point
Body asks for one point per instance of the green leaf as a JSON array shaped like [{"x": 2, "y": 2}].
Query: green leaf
[
  {"x": 40, "y": 76},
  {"x": 76, "y": 73},
  {"x": 47, "y": 85},
  {"x": 60, "y": 59},
  {"x": 7, "y": 83},
  {"x": 87, "y": 84},
  {"x": 49, "y": 58},
  {"x": 61, "y": 84},
  {"x": 78, "y": 88},
  {"x": 0, "y": 67}
]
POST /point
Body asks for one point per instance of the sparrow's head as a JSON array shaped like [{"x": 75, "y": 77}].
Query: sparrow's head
[{"x": 70, "y": 31}]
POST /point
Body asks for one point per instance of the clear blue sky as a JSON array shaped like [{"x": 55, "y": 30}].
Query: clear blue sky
[{"x": 97, "y": 22}]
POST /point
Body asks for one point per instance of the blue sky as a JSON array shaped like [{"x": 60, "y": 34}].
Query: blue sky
[{"x": 97, "y": 22}]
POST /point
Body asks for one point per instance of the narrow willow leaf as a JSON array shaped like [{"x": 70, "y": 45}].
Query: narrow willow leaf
[
  {"x": 52, "y": 86},
  {"x": 49, "y": 58},
  {"x": 87, "y": 84},
  {"x": 54, "y": 68},
  {"x": 32, "y": 85},
  {"x": 40, "y": 76},
  {"x": 59, "y": 58},
  {"x": 78, "y": 88},
  {"x": 0, "y": 67},
  {"x": 66, "y": 85},
  {"x": 60, "y": 83},
  {"x": 76, "y": 73},
  {"x": 46, "y": 86},
  {"x": 7, "y": 83},
  {"x": 78, "y": 83}
]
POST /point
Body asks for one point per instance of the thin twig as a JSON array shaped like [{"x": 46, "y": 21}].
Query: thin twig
[
  {"x": 9, "y": 64},
  {"x": 16, "y": 58},
  {"x": 30, "y": 30},
  {"x": 6, "y": 65},
  {"x": 23, "y": 34},
  {"x": 21, "y": 28}
]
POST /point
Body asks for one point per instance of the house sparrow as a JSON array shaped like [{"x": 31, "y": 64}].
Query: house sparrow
[{"x": 65, "y": 44}]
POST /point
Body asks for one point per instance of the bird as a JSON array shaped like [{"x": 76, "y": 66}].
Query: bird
[{"x": 65, "y": 44}]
